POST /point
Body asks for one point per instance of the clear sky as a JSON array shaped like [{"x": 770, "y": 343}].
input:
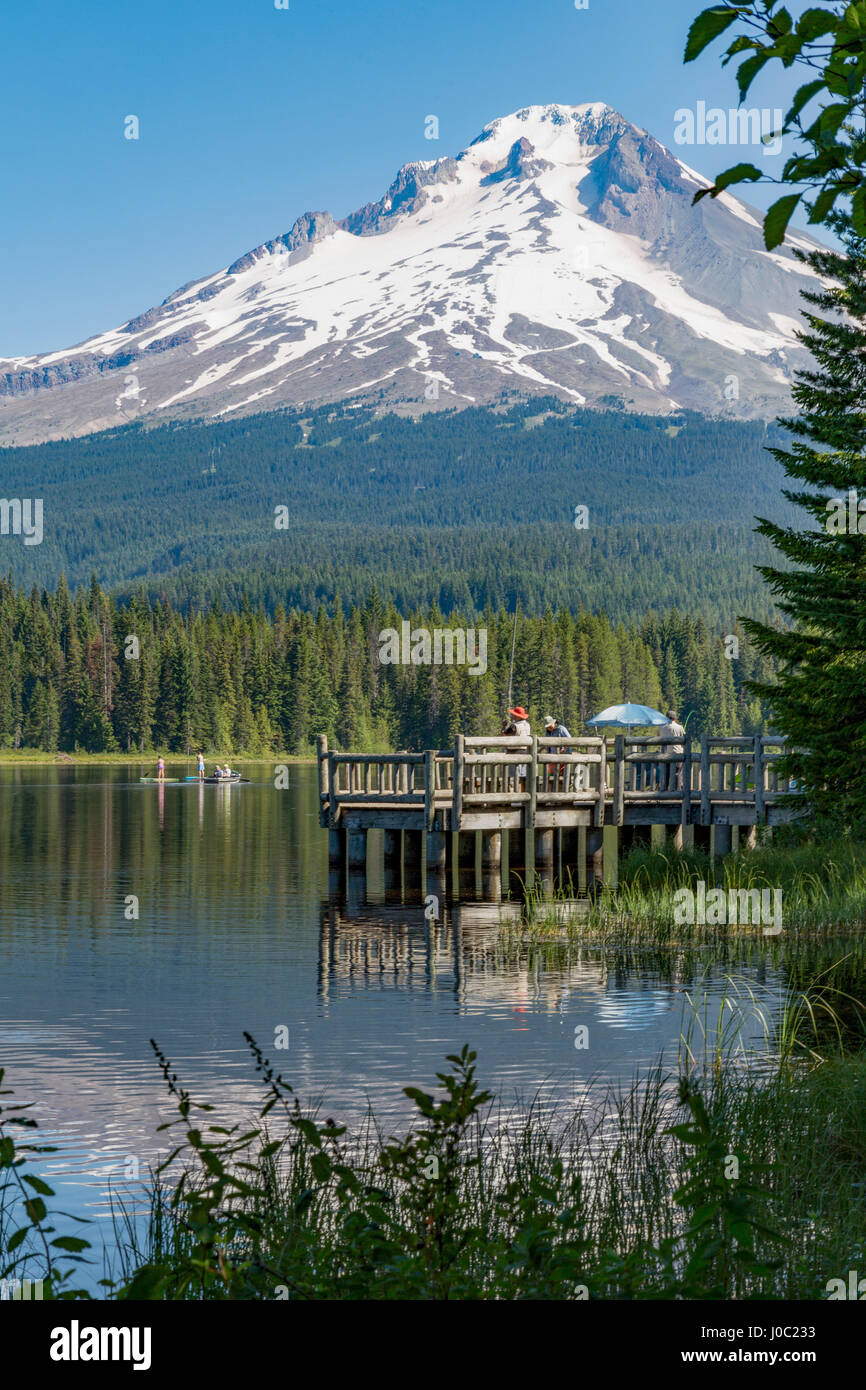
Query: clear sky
[{"x": 250, "y": 115}]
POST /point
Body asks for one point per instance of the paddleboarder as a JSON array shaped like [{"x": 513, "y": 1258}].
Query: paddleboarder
[
  {"x": 160, "y": 768},
  {"x": 200, "y": 765}
]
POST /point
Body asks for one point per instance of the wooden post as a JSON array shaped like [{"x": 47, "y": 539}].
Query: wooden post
[
  {"x": 336, "y": 848},
  {"x": 594, "y": 857},
  {"x": 619, "y": 779},
  {"x": 598, "y": 811},
  {"x": 357, "y": 849},
  {"x": 544, "y": 851},
  {"x": 412, "y": 864},
  {"x": 759, "y": 780},
  {"x": 491, "y": 863},
  {"x": 686, "y": 809},
  {"x": 436, "y": 852},
  {"x": 532, "y": 788},
  {"x": 457, "y": 801},
  {"x": 393, "y": 862},
  {"x": 611, "y": 855},
  {"x": 429, "y": 789},
  {"x": 322, "y": 759},
  {"x": 705, "y": 780},
  {"x": 332, "y": 790},
  {"x": 491, "y": 850},
  {"x": 721, "y": 840}
]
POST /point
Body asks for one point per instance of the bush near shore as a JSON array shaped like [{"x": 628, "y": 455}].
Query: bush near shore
[{"x": 722, "y": 1182}]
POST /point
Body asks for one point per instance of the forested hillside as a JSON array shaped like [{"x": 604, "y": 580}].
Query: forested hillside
[
  {"x": 462, "y": 509},
  {"x": 85, "y": 672}
]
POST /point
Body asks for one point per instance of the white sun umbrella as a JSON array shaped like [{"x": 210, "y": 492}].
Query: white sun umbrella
[{"x": 627, "y": 716}]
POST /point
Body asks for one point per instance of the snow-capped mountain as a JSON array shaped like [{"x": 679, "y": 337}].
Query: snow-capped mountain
[{"x": 560, "y": 253}]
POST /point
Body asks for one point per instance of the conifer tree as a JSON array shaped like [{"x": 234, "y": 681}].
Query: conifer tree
[{"x": 819, "y": 698}]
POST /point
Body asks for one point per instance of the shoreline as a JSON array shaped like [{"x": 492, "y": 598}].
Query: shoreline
[{"x": 18, "y": 758}]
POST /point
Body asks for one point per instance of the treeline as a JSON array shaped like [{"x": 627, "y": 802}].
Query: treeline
[
  {"x": 89, "y": 673},
  {"x": 455, "y": 508},
  {"x": 622, "y": 571}
]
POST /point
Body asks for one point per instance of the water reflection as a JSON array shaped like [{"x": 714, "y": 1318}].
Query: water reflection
[{"x": 237, "y": 931}]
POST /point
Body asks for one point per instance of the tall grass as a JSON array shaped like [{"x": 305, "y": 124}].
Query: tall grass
[
  {"x": 823, "y": 887},
  {"x": 726, "y": 1180}
]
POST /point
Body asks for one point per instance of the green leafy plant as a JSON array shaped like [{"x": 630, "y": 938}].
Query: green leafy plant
[
  {"x": 830, "y": 158},
  {"x": 33, "y": 1245}
]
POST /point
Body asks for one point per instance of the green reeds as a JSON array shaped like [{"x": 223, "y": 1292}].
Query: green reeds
[
  {"x": 823, "y": 891},
  {"x": 730, "y": 1182}
]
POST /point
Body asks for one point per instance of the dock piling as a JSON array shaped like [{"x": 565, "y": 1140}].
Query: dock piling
[
  {"x": 393, "y": 850},
  {"x": 578, "y": 804},
  {"x": 357, "y": 850}
]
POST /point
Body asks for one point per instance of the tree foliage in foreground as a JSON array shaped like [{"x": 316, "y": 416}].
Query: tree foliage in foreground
[
  {"x": 829, "y": 160},
  {"x": 819, "y": 700}
]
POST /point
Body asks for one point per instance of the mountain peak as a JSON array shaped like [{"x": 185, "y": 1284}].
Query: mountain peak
[
  {"x": 559, "y": 253},
  {"x": 555, "y": 125}
]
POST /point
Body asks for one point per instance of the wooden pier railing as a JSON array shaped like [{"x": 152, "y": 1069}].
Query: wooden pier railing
[{"x": 510, "y": 783}]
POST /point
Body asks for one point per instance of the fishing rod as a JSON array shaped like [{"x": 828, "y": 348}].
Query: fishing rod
[{"x": 513, "y": 642}]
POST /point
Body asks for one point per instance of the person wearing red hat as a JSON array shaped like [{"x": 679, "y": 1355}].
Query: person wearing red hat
[{"x": 519, "y": 728}]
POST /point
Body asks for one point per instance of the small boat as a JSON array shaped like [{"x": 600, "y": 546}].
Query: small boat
[{"x": 235, "y": 777}]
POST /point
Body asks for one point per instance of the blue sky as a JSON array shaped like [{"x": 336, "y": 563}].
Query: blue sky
[{"x": 250, "y": 115}]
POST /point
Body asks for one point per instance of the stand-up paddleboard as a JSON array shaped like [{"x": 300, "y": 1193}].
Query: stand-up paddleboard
[{"x": 166, "y": 781}]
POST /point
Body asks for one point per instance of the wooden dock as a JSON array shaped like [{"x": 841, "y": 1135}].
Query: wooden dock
[{"x": 576, "y": 802}]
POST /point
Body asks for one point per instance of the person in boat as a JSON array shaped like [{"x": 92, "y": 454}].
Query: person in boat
[
  {"x": 160, "y": 768},
  {"x": 200, "y": 764}
]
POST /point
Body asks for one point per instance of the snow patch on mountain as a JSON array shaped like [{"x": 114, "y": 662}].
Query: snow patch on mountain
[{"x": 561, "y": 252}]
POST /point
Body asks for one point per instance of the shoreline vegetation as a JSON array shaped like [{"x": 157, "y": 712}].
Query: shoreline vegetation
[
  {"x": 36, "y": 756},
  {"x": 823, "y": 885},
  {"x": 714, "y": 1181}
]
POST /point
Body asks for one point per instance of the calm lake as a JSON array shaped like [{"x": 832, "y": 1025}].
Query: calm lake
[{"x": 236, "y": 932}]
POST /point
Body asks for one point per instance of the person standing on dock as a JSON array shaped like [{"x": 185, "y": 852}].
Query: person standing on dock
[
  {"x": 520, "y": 729},
  {"x": 160, "y": 768},
  {"x": 672, "y": 735},
  {"x": 554, "y": 728}
]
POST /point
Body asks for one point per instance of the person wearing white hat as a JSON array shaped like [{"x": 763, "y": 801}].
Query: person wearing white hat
[{"x": 554, "y": 728}]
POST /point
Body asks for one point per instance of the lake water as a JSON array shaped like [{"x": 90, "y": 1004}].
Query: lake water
[{"x": 236, "y": 932}]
